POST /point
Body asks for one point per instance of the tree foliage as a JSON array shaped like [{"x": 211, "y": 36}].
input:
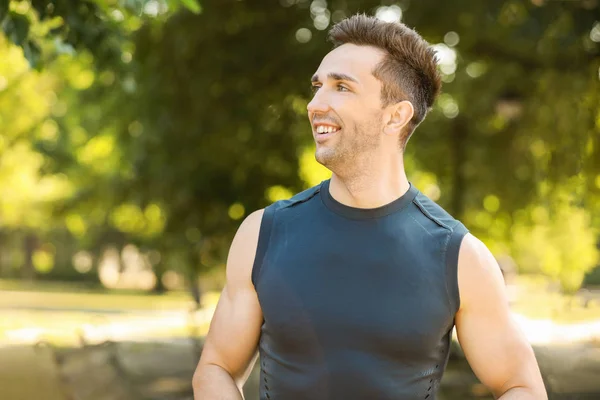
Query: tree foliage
[{"x": 164, "y": 123}]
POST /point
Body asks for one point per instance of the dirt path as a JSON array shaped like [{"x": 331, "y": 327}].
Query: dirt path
[
  {"x": 571, "y": 368},
  {"x": 568, "y": 354},
  {"x": 27, "y": 374}
]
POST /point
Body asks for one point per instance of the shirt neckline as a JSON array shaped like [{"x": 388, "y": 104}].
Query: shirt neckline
[{"x": 366, "y": 213}]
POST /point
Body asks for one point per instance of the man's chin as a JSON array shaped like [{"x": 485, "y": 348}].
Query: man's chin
[{"x": 324, "y": 156}]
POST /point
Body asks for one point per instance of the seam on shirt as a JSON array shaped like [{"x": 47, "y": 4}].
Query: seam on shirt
[
  {"x": 428, "y": 214},
  {"x": 418, "y": 223},
  {"x": 295, "y": 202},
  {"x": 454, "y": 303},
  {"x": 279, "y": 205},
  {"x": 449, "y": 301},
  {"x": 367, "y": 218}
]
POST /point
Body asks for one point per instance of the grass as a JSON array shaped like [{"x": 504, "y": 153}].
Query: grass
[
  {"x": 66, "y": 296},
  {"x": 70, "y": 296},
  {"x": 61, "y": 313}
]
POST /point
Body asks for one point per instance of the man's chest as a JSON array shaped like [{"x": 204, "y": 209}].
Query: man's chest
[{"x": 374, "y": 291}]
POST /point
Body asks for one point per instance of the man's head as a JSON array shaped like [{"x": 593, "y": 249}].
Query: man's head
[{"x": 375, "y": 87}]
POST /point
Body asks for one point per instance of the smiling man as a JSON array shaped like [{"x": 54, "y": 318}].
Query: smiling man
[{"x": 351, "y": 289}]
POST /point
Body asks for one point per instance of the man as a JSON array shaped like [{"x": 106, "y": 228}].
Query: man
[{"x": 351, "y": 289}]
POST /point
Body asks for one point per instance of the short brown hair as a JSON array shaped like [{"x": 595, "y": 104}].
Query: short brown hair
[{"x": 409, "y": 70}]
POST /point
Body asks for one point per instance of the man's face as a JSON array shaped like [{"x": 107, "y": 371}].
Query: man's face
[{"x": 346, "y": 110}]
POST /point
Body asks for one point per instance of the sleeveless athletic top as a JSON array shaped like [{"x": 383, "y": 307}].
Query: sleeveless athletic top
[{"x": 357, "y": 303}]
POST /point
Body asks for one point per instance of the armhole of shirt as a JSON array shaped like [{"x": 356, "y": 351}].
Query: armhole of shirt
[
  {"x": 264, "y": 235},
  {"x": 452, "y": 251}
]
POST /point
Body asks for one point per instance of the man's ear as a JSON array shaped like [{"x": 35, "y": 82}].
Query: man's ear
[{"x": 398, "y": 116}]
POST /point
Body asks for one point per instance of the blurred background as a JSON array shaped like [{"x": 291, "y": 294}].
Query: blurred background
[{"x": 135, "y": 136}]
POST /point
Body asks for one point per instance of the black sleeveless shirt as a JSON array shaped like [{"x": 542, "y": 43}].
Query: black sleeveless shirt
[{"x": 357, "y": 303}]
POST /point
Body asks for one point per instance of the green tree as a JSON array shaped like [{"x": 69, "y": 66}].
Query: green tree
[{"x": 193, "y": 119}]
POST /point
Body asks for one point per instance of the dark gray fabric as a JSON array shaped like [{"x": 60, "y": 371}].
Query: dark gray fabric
[{"x": 357, "y": 303}]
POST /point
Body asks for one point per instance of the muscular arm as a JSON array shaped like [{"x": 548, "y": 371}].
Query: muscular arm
[
  {"x": 229, "y": 351},
  {"x": 493, "y": 344}
]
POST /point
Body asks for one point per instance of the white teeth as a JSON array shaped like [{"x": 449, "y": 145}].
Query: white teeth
[{"x": 326, "y": 129}]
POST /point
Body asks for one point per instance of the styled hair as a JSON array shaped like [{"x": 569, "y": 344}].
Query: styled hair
[{"x": 407, "y": 72}]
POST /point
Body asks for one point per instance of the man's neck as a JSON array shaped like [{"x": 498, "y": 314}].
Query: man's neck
[{"x": 370, "y": 189}]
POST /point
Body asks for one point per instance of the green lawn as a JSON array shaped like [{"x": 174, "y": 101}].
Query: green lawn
[
  {"x": 61, "y": 312},
  {"x": 63, "y": 295}
]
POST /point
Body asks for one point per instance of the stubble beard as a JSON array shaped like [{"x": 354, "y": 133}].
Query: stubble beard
[{"x": 351, "y": 149}]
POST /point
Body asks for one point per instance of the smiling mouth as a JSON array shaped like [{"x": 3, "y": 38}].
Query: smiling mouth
[{"x": 324, "y": 129}]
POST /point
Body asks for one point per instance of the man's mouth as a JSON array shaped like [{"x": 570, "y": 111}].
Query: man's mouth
[{"x": 323, "y": 129}]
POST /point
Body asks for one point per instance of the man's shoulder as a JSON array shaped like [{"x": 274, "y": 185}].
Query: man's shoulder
[
  {"x": 298, "y": 198},
  {"x": 436, "y": 213}
]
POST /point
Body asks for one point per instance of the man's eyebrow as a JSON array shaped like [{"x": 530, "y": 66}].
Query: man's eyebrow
[{"x": 336, "y": 76}]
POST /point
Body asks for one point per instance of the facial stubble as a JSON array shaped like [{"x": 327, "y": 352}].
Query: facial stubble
[{"x": 355, "y": 145}]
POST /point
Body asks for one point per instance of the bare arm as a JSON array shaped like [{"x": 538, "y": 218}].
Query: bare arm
[
  {"x": 496, "y": 349},
  {"x": 229, "y": 351}
]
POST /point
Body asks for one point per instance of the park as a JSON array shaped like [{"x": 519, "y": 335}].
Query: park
[{"x": 137, "y": 135}]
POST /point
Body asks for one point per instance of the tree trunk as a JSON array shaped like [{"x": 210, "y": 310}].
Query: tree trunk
[
  {"x": 120, "y": 263},
  {"x": 4, "y": 265},
  {"x": 195, "y": 289},
  {"x": 159, "y": 271},
  {"x": 194, "y": 278},
  {"x": 459, "y": 153},
  {"x": 29, "y": 246}
]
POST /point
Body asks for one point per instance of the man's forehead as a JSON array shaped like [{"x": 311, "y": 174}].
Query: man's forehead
[{"x": 351, "y": 59}]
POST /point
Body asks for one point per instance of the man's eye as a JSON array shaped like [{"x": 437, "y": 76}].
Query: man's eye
[
  {"x": 342, "y": 88},
  {"x": 314, "y": 88}
]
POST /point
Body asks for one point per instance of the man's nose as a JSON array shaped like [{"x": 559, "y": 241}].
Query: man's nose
[{"x": 318, "y": 104}]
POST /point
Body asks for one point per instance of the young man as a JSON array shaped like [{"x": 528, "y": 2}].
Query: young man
[{"x": 350, "y": 290}]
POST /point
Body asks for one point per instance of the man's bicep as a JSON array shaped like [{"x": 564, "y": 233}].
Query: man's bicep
[
  {"x": 233, "y": 335},
  {"x": 495, "y": 347},
  {"x": 235, "y": 327}
]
